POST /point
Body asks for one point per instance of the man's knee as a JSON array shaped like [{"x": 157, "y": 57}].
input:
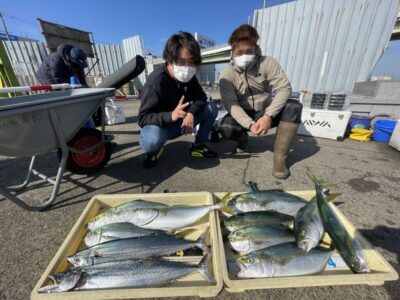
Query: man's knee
[
  {"x": 152, "y": 137},
  {"x": 213, "y": 109},
  {"x": 292, "y": 111},
  {"x": 230, "y": 129}
]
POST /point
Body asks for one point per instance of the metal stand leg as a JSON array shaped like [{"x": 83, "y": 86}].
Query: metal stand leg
[
  {"x": 56, "y": 183},
  {"x": 27, "y": 179}
]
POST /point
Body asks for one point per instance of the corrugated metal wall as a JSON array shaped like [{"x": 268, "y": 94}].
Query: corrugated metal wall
[
  {"x": 135, "y": 46},
  {"x": 326, "y": 45},
  {"x": 26, "y": 57},
  {"x": 110, "y": 60}
]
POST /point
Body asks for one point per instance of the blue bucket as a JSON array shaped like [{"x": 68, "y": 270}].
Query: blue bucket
[
  {"x": 383, "y": 130},
  {"x": 360, "y": 122}
]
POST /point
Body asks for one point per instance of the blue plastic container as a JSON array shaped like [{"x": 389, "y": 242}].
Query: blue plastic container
[
  {"x": 360, "y": 122},
  {"x": 383, "y": 130}
]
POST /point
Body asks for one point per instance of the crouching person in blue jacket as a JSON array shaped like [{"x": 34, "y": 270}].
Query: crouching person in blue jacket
[{"x": 173, "y": 102}]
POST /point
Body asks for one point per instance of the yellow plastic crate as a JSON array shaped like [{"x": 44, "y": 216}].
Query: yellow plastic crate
[
  {"x": 193, "y": 285},
  {"x": 381, "y": 270}
]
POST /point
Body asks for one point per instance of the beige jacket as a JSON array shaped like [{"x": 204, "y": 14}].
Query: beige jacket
[{"x": 253, "y": 88}]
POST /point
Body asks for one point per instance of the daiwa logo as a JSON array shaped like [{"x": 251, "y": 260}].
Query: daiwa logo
[{"x": 317, "y": 123}]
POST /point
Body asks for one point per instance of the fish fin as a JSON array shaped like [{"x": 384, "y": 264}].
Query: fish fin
[
  {"x": 201, "y": 243},
  {"x": 224, "y": 201},
  {"x": 204, "y": 272},
  {"x": 153, "y": 216},
  {"x": 254, "y": 186},
  {"x": 332, "y": 197}
]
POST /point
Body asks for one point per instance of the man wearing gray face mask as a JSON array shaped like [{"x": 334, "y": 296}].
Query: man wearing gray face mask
[
  {"x": 173, "y": 102},
  {"x": 246, "y": 87}
]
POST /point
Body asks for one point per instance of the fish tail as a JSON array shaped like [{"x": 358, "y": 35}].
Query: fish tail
[
  {"x": 219, "y": 205},
  {"x": 204, "y": 271},
  {"x": 201, "y": 243},
  {"x": 314, "y": 179},
  {"x": 224, "y": 203},
  {"x": 322, "y": 185},
  {"x": 332, "y": 197}
]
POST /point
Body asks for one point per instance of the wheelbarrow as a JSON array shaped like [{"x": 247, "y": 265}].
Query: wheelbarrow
[{"x": 38, "y": 124}]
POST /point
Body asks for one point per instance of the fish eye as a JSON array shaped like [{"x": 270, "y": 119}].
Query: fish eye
[
  {"x": 303, "y": 233},
  {"x": 249, "y": 260}
]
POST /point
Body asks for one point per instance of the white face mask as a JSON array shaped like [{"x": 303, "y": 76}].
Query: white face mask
[
  {"x": 184, "y": 73},
  {"x": 244, "y": 60}
]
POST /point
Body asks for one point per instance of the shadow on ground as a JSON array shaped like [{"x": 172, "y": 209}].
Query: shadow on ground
[{"x": 386, "y": 238}]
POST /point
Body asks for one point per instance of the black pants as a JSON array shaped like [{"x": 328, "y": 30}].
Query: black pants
[{"x": 232, "y": 130}]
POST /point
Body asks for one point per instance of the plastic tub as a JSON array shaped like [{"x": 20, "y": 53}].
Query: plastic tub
[
  {"x": 383, "y": 130},
  {"x": 192, "y": 285},
  {"x": 360, "y": 122},
  {"x": 336, "y": 274}
]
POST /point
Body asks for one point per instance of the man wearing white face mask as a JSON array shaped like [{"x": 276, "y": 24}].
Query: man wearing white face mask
[
  {"x": 173, "y": 102},
  {"x": 246, "y": 87}
]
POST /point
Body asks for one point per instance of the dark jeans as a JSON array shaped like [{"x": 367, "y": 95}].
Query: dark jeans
[{"x": 232, "y": 130}]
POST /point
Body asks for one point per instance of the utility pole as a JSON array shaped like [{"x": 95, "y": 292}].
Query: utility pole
[
  {"x": 5, "y": 27},
  {"x": 6, "y": 31}
]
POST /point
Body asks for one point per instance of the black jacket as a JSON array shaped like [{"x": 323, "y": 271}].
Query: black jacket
[
  {"x": 56, "y": 68},
  {"x": 161, "y": 95}
]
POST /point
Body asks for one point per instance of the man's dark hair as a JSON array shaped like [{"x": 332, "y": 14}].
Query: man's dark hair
[
  {"x": 182, "y": 39},
  {"x": 243, "y": 33}
]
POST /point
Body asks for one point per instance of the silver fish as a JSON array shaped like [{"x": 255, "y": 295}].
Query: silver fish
[
  {"x": 282, "y": 260},
  {"x": 116, "y": 231},
  {"x": 168, "y": 218},
  {"x": 308, "y": 228},
  {"x": 257, "y": 218},
  {"x": 252, "y": 238},
  {"x": 129, "y": 273},
  {"x": 272, "y": 200},
  {"x": 117, "y": 214},
  {"x": 131, "y": 248},
  {"x": 349, "y": 248}
]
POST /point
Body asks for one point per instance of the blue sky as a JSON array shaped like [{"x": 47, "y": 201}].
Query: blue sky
[{"x": 111, "y": 21}]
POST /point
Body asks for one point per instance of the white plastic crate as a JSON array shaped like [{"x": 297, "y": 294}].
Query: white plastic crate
[
  {"x": 395, "y": 139},
  {"x": 324, "y": 123}
]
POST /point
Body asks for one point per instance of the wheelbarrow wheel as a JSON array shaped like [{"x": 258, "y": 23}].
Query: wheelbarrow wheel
[{"x": 88, "y": 162}]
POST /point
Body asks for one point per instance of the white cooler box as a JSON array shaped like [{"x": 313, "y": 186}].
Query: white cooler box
[
  {"x": 329, "y": 124},
  {"x": 395, "y": 139}
]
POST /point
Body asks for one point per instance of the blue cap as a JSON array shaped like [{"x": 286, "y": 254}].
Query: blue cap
[{"x": 78, "y": 57}]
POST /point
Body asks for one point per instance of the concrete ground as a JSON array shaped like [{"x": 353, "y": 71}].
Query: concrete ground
[{"x": 367, "y": 175}]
